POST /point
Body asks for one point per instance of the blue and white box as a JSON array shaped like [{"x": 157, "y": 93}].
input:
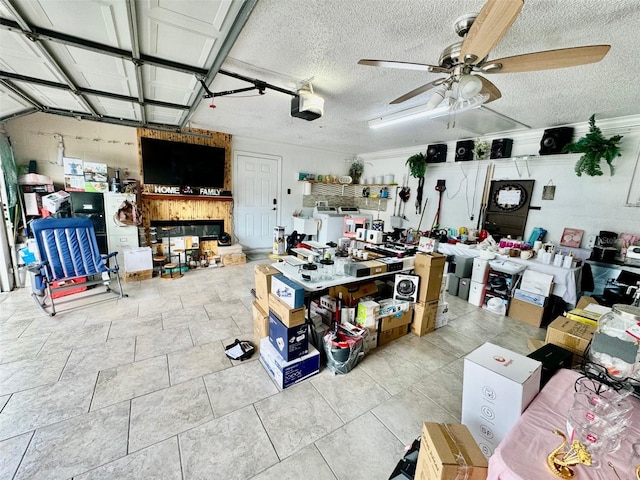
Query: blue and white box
[
  {"x": 286, "y": 373},
  {"x": 288, "y": 291},
  {"x": 537, "y": 299},
  {"x": 291, "y": 343}
]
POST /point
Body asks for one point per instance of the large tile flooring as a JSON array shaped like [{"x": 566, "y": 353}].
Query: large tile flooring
[{"x": 140, "y": 388}]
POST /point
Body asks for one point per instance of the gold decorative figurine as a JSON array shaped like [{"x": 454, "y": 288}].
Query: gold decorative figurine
[{"x": 560, "y": 461}]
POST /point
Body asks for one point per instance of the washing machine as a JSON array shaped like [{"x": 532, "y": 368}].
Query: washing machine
[
  {"x": 353, "y": 220},
  {"x": 331, "y": 223}
]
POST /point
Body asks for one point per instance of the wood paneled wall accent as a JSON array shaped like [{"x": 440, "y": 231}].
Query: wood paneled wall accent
[{"x": 156, "y": 207}]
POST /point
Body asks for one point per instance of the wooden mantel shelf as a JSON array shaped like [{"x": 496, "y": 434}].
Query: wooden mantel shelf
[{"x": 159, "y": 196}]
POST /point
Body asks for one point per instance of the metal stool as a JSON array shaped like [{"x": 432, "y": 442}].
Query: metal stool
[{"x": 169, "y": 271}]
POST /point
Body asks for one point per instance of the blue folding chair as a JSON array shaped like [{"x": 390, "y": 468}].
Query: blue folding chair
[{"x": 68, "y": 259}]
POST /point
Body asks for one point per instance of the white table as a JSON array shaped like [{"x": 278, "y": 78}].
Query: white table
[
  {"x": 293, "y": 273},
  {"x": 566, "y": 281}
]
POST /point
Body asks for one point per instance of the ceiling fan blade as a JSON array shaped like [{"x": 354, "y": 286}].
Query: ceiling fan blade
[
  {"x": 563, "y": 57},
  {"x": 422, "y": 67},
  {"x": 491, "y": 24},
  {"x": 414, "y": 93},
  {"x": 490, "y": 88}
]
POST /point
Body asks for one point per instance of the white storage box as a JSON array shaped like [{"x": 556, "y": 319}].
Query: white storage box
[
  {"x": 479, "y": 271},
  {"x": 137, "y": 259},
  {"x": 476, "y": 293},
  {"x": 497, "y": 387}
]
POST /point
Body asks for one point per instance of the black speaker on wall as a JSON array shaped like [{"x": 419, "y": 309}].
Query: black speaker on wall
[
  {"x": 501, "y": 148},
  {"x": 436, "y": 153},
  {"x": 464, "y": 150},
  {"x": 555, "y": 139}
]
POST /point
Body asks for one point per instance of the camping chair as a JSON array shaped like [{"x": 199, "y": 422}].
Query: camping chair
[{"x": 69, "y": 262}]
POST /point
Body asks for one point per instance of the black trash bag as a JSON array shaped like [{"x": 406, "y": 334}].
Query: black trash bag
[{"x": 240, "y": 350}]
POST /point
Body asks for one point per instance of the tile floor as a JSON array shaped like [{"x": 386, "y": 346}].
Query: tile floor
[{"x": 140, "y": 388}]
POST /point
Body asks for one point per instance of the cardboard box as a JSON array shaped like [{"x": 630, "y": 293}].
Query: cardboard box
[
  {"x": 497, "y": 387},
  {"x": 353, "y": 292},
  {"x": 137, "y": 259},
  {"x": 137, "y": 276},
  {"x": 534, "y": 344},
  {"x": 424, "y": 261},
  {"x": 389, "y": 306},
  {"x": 233, "y": 259},
  {"x": 367, "y": 313},
  {"x": 260, "y": 320},
  {"x": 442, "y": 448},
  {"x": 430, "y": 268},
  {"x": 393, "y": 321},
  {"x": 284, "y": 373},
  {"x": 32, "y": 203},
  {"x": 537, "y": 282},
  {"x": 406, "y": 287},
  {"x": 375, "y": 267},
  {"x": 424, "y": 318},
  {"x": 584, "y": 316},
  {"x": 370, "y": 340},
  {"x": 387, "y": 336},
  {"x": 526, "y": 312},
  {"x": 288, "y": 291},
  {"x": 55, "y": 201},
  {"x": 570, "y": 334},
  {"x": 535, "y": 298},
  {"x": 262, "y": 275},
  {"x": 442, "y": 316},
  {"x": 328, "y": 302},
  {"x": 290, "y": 342},
  {"x": 584, "y": 302},
  {"x": 290, "y": 317}
]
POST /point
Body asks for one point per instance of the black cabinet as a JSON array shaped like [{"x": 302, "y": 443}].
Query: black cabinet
[{"x": 91, "y": 205}]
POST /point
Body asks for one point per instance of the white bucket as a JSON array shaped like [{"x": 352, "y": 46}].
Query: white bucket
[
  {"x": 388, "y": 179},
  {"x": 379, "y": 179}
]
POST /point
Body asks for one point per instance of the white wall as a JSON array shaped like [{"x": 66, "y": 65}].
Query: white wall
[
  {"x": 295, "y": 159},
  {"x": 588, "y": 203},
  {"x": 32, "y": 138}
]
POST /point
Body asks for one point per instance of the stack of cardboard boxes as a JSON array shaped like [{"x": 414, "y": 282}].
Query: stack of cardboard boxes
[
  {"x": 575, "y": 333},
  {"x": 529, "y": 302},
  {"x": 430, "y": 268},
  {"x": 285, "y": 350}
]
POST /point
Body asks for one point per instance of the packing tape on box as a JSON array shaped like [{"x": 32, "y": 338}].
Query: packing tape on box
[{"x": 463, "y": 463}]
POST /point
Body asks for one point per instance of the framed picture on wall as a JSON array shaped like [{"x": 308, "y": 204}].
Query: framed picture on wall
[{"x": 571, "y": 237}]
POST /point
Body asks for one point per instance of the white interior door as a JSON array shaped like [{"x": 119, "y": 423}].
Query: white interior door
[{"x": 256, "y": 198}]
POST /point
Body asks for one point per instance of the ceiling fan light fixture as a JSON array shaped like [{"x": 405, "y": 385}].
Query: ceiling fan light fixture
[
  {"x": 469, "y": 86},
  {"x": 437, "y": 97},
  {"x": 464, "y": 104}
]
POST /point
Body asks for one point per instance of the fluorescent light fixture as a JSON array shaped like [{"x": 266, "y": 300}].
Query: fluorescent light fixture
[{"x": 427, "y": 111}]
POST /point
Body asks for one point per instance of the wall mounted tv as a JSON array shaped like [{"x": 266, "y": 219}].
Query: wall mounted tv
[{"x": 185, "y": 164}]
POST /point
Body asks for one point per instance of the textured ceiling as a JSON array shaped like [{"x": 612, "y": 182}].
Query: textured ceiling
[{"x": 289, "y": 42}]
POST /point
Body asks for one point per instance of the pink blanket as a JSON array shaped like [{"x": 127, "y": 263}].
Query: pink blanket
[{"x": 522, "y": 455}]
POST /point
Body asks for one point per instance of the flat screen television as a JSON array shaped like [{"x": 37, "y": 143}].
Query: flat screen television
[{"x": 185, "y": 164}]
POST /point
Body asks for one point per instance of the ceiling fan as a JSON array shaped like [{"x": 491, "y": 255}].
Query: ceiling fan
[{"x": 464, "y": 61}]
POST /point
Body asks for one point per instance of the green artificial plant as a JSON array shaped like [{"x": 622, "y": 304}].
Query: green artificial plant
[
  {"x": 594, "y": 147},
  {"x": 417, "y": 165},
  {"x": 417, "y": 168}
]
